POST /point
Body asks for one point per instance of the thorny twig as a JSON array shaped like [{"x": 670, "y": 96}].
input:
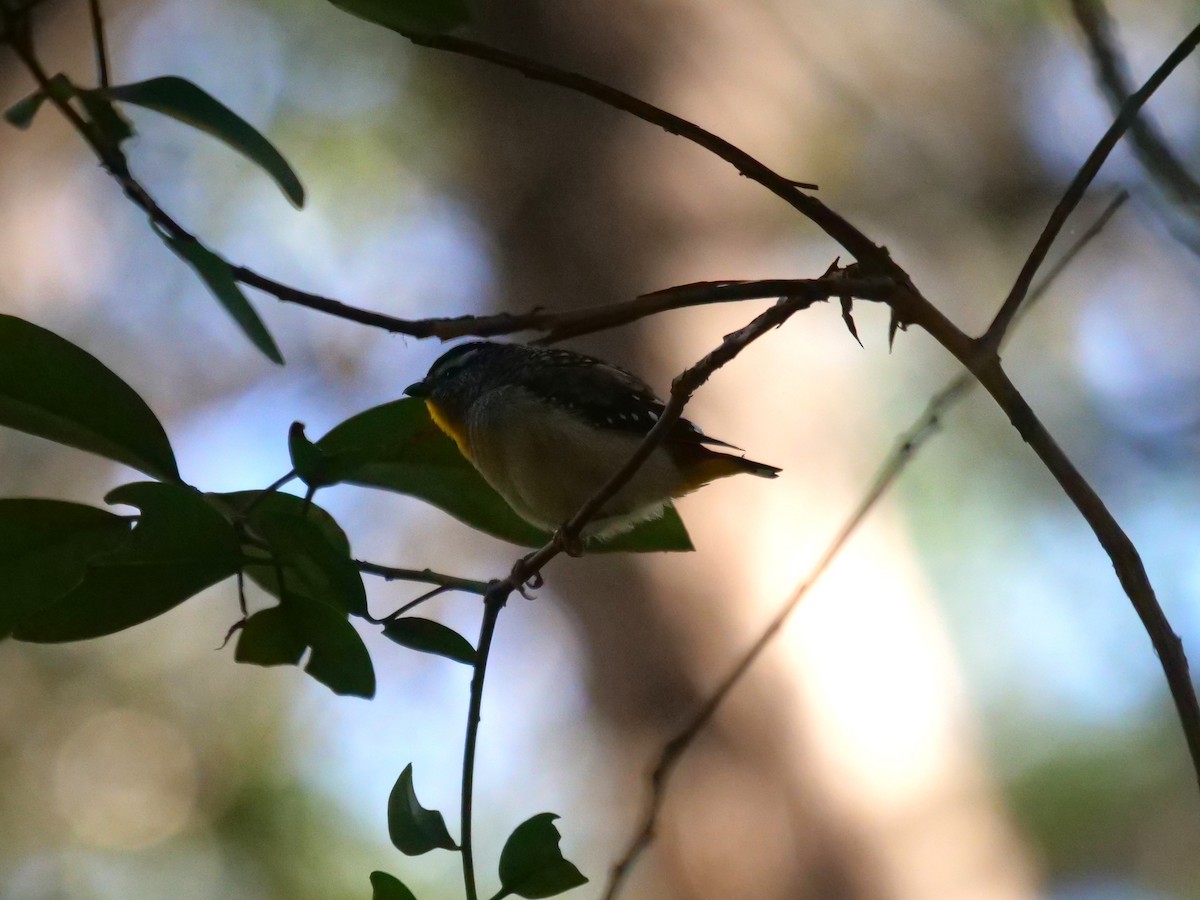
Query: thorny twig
[{"x": 905, "y": 450}]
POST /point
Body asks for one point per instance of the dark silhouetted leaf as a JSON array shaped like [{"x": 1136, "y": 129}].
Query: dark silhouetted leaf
[
  {"x": 309, "y": 460},
  {"x": 44, "y": 549},
  {"x": 270, "y": 639},
  {"x": 184, "y": 101},
  {"x": 397, "y": 447},
  {"x": 51, "y": 388},
  {"x": 217, "y": 274},
  {"x": 415, "y": 830},
  {"x": 531, "y": 864},
  {"x": 180, "y": 545},
  {"x": 430, "y": 637},
  {"x": 388, "y": 887},
  {"x": 21, "y": 113},
  {"x": 339, "y": 658},
  {"x": 423, "y": 16},
  {"x": 312, "y": 566},
  {"x": 266, "y": 505}
]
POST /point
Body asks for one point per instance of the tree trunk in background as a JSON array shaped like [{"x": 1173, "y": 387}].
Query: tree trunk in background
[{"x": 558, "y": 184}]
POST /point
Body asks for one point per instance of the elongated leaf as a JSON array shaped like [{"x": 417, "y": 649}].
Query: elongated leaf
[
  {"x": 413, "y": 828},
  {"x": 180, "y": 545},
  {"x": 424, "y": 16},
  {"x": 45, "y": 546},
  {"x": 190, "y": 104},
  {"x": 218, "y": 276},
  {"x": 397, "y": 447},
  {"x": 388, "y": 887},
  {"x": 51, "y": 388},
  {"x": 531, "y": 863},
  {"x": 430, "y": 637},
  {"x": 270, "y": 639}
]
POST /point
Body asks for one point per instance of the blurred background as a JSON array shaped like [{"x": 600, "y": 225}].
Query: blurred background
[{"x": 964, "y": 707}]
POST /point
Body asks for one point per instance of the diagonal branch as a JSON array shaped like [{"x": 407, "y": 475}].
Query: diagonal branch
[
  {"x": 1148, "y": 143},
  {"x": 906, "y": 448},
  {"x": 1083, "y": 178}
]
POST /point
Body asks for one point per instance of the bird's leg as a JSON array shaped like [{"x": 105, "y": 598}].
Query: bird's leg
[{"x": 570, "y": 544}]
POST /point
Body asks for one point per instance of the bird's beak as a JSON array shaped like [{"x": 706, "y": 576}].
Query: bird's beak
[{"x": 420, "y": 389}]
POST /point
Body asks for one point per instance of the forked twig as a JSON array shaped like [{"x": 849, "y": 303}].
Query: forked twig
[{"x": 905, "y": 450}]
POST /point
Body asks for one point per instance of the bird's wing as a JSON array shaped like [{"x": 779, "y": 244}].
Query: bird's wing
[{"x": 607, "y": 396}]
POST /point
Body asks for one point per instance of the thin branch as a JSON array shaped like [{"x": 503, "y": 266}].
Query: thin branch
[
  {"x": 873, "y": 257},
  {"x": 100, "y": 43},
  {"x": 905, "y": 450},
  {"x": 1150, "y": 147},
  {"x": 1074, "y": 193},
  {"x": 493, "y": 601},
  {"x": 423, "y": 576},
  {"x": 530, "y": 566}
]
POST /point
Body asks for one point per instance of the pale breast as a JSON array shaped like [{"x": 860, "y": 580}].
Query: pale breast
[{"x": 546, "y": 463}]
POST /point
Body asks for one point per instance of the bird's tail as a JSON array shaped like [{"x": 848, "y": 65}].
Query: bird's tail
[{"x": 713, "y": 465}]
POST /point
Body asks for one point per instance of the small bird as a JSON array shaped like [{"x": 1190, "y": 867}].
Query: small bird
[{"x": 547, "y": 428}]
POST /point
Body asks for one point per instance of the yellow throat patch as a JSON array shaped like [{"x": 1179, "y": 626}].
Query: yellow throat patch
[{"x": 449, "y": 428}]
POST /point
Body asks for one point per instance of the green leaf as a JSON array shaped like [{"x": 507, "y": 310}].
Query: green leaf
[
  {"x": 309, "y": 460},
  {"x": 430, "y": 637},
  {"x": 388, "y": 887},
  {"x": 397, "y": 447},
  {"x": 21, "y": 113},
  {"x": 263, "y": 505},
  {"x": 339, "y": 659},
  {"x": 531, "y": 864},
  {"x": 187, "y": 103},
  {"x": 180, "y": 546},
  {"x": 218, "y": 276},
  {"x": 44, "y": 549},
  {"x": 312, "y": 566},
  {"x": 413, "y": 829},
  {"x": 51, "y": 388},
  {"x": 422, "y": 16},
  {"x": 270, "y": 639}
]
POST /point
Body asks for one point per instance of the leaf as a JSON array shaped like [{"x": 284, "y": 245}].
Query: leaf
[
  {"x": 388, "y": 887},
  {"x": 397, "y": 447},
  {"x": 531, "y": 863},
  {"x": 186, "y": 102},
  {"x": 430, "y": 637},
  {"x": 422, "y": 16},
  {"x": 413, "y": 829},
  {"x": 312, "y": 566},
  {"x": 44, "y": 549},
  {"x": 269, "y": 639},
  {"x": 264, "y": 505},
  {"x": 309, "y": 461},
  {"x": 21, "y": 113},
  {"x": 51, "y": 388},
  {"x": 180, "y": 546},
  {"x": 218, "y": 276},
  {"x": 339, "y": 659}
]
